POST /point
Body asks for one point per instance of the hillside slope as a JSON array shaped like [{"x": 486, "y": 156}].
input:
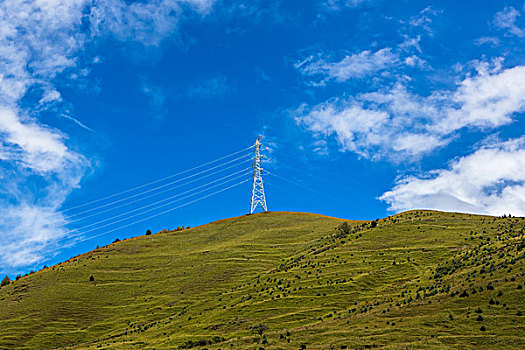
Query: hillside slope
[{"x": 419, "y": 279}]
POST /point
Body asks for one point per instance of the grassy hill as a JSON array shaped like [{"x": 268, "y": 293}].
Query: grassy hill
[{"x": 417, "y": 280}]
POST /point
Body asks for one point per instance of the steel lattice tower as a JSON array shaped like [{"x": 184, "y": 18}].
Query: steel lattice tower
[{"x": 258, "y": 197}]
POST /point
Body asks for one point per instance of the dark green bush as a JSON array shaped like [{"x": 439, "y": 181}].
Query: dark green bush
[
  {"x": 345, "y": 228},
  {"x": 260, "y": 328},
  {"x": 5, "y": 281}
]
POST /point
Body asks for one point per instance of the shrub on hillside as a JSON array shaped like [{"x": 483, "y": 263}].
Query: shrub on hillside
[
  {"x": 5, "y": 281},
  {"x": 260, "y": 328},
  {"x": 148, "y": 232},
  {"x": 202, "y": 342},
  {"x": 344, "y": 229}
]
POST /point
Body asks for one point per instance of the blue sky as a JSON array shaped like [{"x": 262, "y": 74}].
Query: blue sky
[{"x": 367, "y": 108}]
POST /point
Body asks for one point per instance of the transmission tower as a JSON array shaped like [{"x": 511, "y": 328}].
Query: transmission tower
[{"x": 258, "y": 197}]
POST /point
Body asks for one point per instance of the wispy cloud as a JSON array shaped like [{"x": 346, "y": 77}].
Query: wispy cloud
[
  {"x": 146, "y": 22},
  {"x": 491, "y": 180},
  {"x": 487, "y": 40},
  {"x": 355, "y": 66},
  {"x": 37, "y": 148},
  {"x": 507, "y": 19},
  {"x": 76, "y": 121},
  {"x": 423, "y": 20},
  {"x": 397, "y": 124},
  {"x": 387, "y": 61}
]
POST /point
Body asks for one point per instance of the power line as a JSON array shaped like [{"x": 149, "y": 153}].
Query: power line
[
  {"x": 153, "y": 182},
  {"x": 146, "y": 197},
  {"x": 168, "y": 198},
  {"x": 147, "y": 211},
  {"x": 149, "y": 217},
  {"x": 161, "y": 186}
]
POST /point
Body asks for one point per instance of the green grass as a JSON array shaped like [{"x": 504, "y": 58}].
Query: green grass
[{"x": 399, "y": 285}]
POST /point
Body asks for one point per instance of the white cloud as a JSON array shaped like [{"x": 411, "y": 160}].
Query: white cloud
[
  {"x": 415, "y": 61},
  {"x": 411, "y": 43},
  {"x": 424, "y": 19},
  {"x": 40, "y": 40},
  {"x": 76, "y": 121},
  {"x": 397, "y": 124},
  {"x": 145, "y": 22},
  {"x": 413, "y": 31},
  {"x": 25, "y": 232},
  {"x": 40, "y": 36},
  {"x": 320, "y": 147},
  {"x": 486, "y": 101},
  {"x": 50, "y": 95},
  {"x": 352, "y": 124},
  {"x": 506, "y": 19},
  {"x": 353, "y": 66},
  {"x": 490, "y": 40},
  {"x": 374, "y": 125},
  {"x": 384, "y": 62},
  {"x": 34, "y": 146},
  {"x": 489, "y": 181}
]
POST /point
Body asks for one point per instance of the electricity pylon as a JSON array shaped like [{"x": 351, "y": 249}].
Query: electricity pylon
[{"x": 258, "y": 197}]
